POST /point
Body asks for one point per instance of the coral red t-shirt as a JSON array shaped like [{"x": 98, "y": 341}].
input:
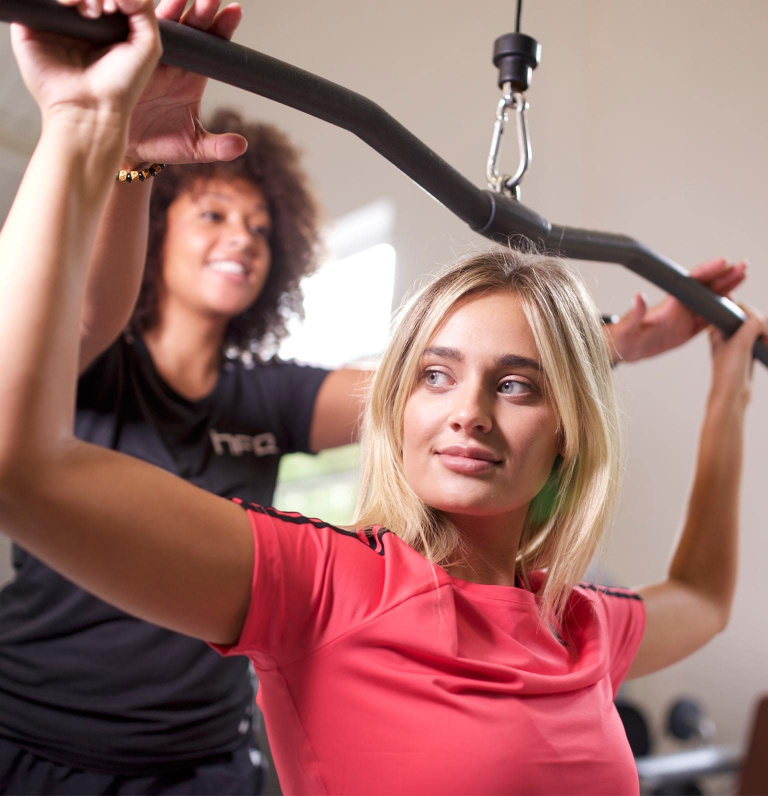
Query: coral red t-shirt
[{"x": 376, "y": 679}]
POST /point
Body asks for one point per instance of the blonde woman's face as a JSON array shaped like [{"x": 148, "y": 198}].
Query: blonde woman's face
[{"x": 479, "y": 437}]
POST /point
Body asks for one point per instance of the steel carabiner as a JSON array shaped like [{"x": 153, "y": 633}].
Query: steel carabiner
[{"x": 502, "y": 183}]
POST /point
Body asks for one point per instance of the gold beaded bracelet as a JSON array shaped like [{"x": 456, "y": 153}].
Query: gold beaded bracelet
[{"x": 129, "y": 175}]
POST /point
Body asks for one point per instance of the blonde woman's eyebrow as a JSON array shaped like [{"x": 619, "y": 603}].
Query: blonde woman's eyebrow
[
  {"x": 508, "y": 360},
  {"x": 444, "y": 352},
  {"x": 516, "y": 361}
]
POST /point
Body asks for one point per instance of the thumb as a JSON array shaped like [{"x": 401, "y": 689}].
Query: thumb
[
  {"x": 226, "y": 146},
  {"x": 636, "y": 313}
]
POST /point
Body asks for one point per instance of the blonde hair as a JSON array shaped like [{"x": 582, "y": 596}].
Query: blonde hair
[{"x": 567, "y": 519}]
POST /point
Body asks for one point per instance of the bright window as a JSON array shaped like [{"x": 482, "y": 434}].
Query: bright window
[{"x": 347, "y": 305}]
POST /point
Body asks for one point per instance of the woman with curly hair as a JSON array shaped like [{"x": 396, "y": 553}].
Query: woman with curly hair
[{"x": 290, "y": 233}]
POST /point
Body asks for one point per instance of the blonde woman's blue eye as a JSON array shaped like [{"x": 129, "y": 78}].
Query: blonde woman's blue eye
[
  {"x": 434, "y": 378},
  {"x": 513, "y": 387}
]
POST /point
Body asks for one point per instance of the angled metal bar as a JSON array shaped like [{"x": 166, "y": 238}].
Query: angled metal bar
[{"x": 493, "y": 215}]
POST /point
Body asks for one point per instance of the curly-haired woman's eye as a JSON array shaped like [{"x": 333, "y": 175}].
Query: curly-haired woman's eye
[{"x": 261, "y": 231}]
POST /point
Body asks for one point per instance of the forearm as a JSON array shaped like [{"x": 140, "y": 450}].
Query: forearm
[
  {"x": 116, "y": 268},
  {"x": 706, "y": 557},
  {"x": 693, "y": 604},
  {"x": 44, "y": 249}
]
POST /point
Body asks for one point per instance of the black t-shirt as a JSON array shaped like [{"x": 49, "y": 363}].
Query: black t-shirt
[{"x": 90, "y": 686}]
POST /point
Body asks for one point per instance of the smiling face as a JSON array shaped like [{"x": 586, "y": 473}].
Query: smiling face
[
  {"x": 479, "y": 437},
  {"x": 216, "y": 250}
]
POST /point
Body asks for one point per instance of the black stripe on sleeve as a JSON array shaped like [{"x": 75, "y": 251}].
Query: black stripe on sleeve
[
  {"x": 372, "y": 540},
  {"x": 627, "y": 595}
]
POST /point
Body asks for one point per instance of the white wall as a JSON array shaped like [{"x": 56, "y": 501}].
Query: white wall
[{"x": 647, "y": 118}]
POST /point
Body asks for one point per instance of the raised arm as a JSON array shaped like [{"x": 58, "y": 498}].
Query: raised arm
[
  {"x": 165, "y": 128},
  {"x": 130, "y": 533},
  {"x": 693, "y": 604}
]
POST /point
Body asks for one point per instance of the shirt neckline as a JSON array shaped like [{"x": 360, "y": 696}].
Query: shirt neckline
[
  {"x": 197, "y": 403},
  {"x": 489, "y": 591}
]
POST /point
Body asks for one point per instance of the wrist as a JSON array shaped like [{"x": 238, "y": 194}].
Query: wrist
[
  {"x": 727, "y": 406},
  {"x": 139, "y": 173},
  {"x": 133, "y": 164},
  {"x": 612, "y": 337},
  {"x": 96, "y": 136}
]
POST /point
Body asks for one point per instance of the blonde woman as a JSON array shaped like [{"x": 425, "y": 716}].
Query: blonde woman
[{"x": 446, "y": 644}]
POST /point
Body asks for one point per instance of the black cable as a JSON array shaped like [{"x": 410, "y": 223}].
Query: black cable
[{"x": 519, "y": 15}]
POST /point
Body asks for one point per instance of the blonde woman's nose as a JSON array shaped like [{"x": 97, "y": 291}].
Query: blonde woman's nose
[{"x": 471, "y": 410}]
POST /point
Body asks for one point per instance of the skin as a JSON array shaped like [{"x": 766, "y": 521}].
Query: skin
[
  {"x": 215, "y": 222},
  {"x": 479, "y": 436}
]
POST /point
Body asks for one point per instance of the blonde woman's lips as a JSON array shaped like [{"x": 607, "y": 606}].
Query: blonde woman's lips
[{"x": 467, "y": 459}]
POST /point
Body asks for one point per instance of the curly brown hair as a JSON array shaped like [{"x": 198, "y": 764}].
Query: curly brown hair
[{"x": 271, "y": 163}]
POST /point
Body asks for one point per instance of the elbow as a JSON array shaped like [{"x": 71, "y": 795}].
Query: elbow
[
  {"x": 723, "y": 617},
  {"x": 706, "y": 600},
  {"x": 721, "y": 604},
  {"x": 12, "y": 464},
  {"x": 17, "y": 473},
  {"x": 717, "y": 612},
  {"x": 22, "y": 444},
  {"x": 25, "y": 466}
]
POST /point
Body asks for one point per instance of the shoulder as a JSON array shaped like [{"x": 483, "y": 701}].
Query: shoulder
[
  {"x": 252, "y": 363},
  {"x": 596, "y": 614},
  {"x": 615, "y": 609},
  {"x": 596, "y": 593},
  {"x": 371, "y": 538},
  {"x": 618, "y": 623},
  {"x": 319, "y": 579},
  {"x": 275, "y": 372}
]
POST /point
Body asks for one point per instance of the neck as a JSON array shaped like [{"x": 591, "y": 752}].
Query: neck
[
  {"x": 490, "y": 548},
  {"x": 186, "y": 350}
]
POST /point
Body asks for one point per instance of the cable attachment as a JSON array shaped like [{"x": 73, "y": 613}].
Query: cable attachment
[
  {"x": 505, "y": 183},
  {"x": 516, "y": 56}
]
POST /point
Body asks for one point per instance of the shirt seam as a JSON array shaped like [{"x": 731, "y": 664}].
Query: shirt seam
[
  {"x": 297, "y": 713},
  {"x": 357, "y": 627},
  {"x": 350, "y": 630}
]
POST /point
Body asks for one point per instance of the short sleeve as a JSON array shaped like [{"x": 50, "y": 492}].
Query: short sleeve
[
  {"x": 99, "y": 382},
  {"x": 293, "y": 389},
  {"x": 623, "y": 614},
  {"x": 99, "y": 392},
  {"x": 624, "y": 611},
  {"x": 309, "y": 581}
]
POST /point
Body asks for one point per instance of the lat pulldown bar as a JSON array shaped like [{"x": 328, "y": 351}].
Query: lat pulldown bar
[{"x": 491, "y": 214}]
